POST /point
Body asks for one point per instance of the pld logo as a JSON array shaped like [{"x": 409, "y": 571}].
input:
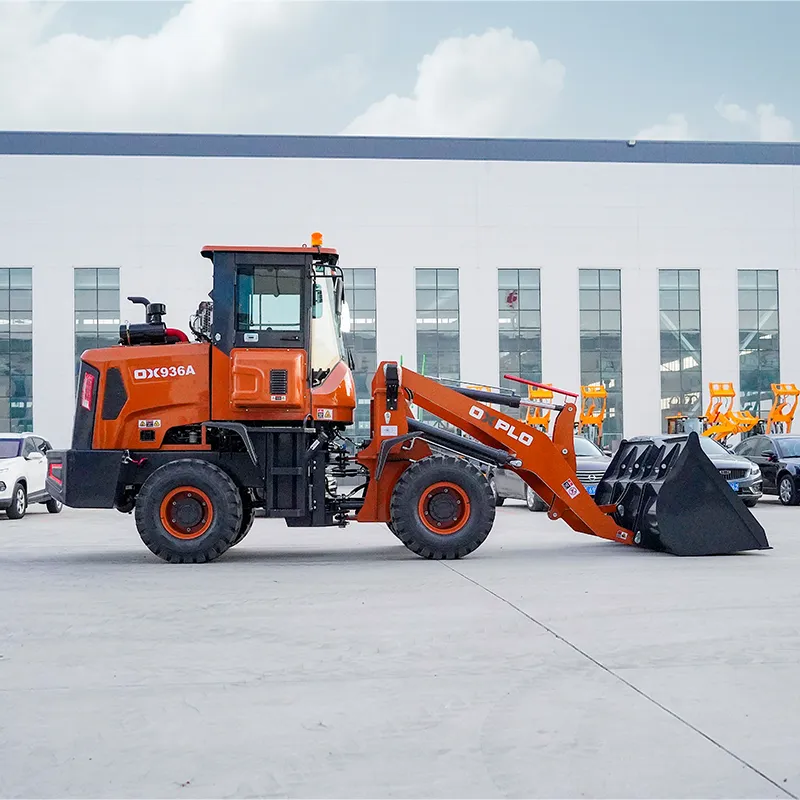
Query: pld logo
[
  {"x": 523, "y": 437},
  {"x": 162, "y": 372}
]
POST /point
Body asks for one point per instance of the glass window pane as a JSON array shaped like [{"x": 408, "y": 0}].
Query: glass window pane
[
  {"x": 529, "y": 278},
  {"x": 748, "y": 299},
  {"x": 690, "y": 300},
  {"x": 85, "y": 278},
  {"x": 529, "y": 319},
  {"x": 609, "y": 300},
  {"x": 21, "y": 300},
  {"x": 767, "y": 298},
  {"x": 748, "y": 279},
  {"x": 85, "y": 299},
  {"x": 529, "y": 299},
  {"x": 689, "y": 279},
  {"x": 507, "y": 319},
  {"x": 668, "y": 299},
  {"x": 447, "y": 278},
  {"x": 448, "y": 298},
  {"x": 610, "y": 320},
  {"x": 21, "y": 277},
  {"x": 589, "y": 299},
  {"x": 426, "y": 278},
  {"x": 767, "y": 279},
  {"x": 426, "y": 299},
  {"x": 590, "y": 320},
  {"x": 108, "y": 300},
  {"x": 108, "y": 278},
  {"x": 507, "y": 279},
  {"x": 690, "y": 320},
  {"x": 364, "y": 278},
  {"x": 589, "y": 279},
  {"x": 364, "y": 298},
  {"x": 609, "y": 279},
  {"x": 668, "y": 278}
]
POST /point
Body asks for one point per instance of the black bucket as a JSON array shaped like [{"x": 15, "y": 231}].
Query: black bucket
[{"x": 670, "y": 494}]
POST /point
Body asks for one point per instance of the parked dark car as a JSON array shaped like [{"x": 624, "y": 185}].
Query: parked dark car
[
  {"x": 742, "y": 474},
  {"x": 591, "y": 464},
  {"x": 778, "y": 458}
]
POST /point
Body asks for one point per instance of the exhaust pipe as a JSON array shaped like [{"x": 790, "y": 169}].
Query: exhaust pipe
[{"x": 675, "y": 501}]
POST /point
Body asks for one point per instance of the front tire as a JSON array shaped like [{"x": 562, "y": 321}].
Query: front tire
[
  {"x": 787, "y": 491},
  {"x": 19, "y": 502},
  {"x": 189, "y": 512},
  {"x": 442, "y": 508},
  {"x": 533, "y": 501},
  {"x": 498, "y": 501},
  {"x": 248, "y": 517}
]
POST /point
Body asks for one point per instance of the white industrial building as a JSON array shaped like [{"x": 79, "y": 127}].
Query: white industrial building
[{"x": 655, "y": 267}]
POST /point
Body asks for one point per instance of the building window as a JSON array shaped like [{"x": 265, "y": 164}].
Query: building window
[
  {"x": 16, "y": 349},
  {"x": 520, "y": 328},
  {"x": 96, "y": 309},
  {"x": 438, "y": 338},
  {"x": 679, "y": 320},
  {"x": 601, "y": 341},
  {"x": 362, "y": 340},
  {"x": 759, "y": 338}
]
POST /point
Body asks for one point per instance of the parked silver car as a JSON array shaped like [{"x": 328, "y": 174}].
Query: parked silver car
[{"x": 591, "y": 464}]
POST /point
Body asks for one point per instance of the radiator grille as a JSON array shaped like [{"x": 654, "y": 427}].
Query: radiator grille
[
  {"x": 728, "y": 474},
  {"x": 590, "y": 477},
  {"x": 278, "y": 381}
]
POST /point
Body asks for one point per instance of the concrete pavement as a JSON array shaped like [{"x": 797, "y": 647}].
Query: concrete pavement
[{"x": 337, "y": 664}]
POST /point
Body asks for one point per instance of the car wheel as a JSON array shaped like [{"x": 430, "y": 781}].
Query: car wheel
[
  {"x": 498, "y": 501},
  {"x": 787, "y": 491},
  {"x": 19, "y": 503},
  {"x": 533, "y": 501},
  {"x": 750, "y": 502},
  {"x": 54, "y": 506}
]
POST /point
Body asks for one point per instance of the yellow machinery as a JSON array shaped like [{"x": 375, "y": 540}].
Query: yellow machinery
[
  {"x": 593, "y": 411},
  {"x": 721, "y": 420},
  {"x": 539, "y": 416},
  {"x": 781, "y": 414}
]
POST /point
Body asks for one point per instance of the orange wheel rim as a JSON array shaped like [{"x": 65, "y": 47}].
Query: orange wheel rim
[
  {"x": 186, "y": 512},
  {"x": 444, "y": 508}
]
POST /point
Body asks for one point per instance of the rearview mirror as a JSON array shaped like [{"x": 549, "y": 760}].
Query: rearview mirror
[
  {"x": 34, "y": 456},
  {"x": 770, "y": 455}
]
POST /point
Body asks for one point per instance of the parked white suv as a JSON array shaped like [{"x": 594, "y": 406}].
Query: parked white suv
[{"x": 23, "y": 469}]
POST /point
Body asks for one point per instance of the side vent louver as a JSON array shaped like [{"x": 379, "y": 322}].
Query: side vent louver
[{"x": 278, "y": 381}]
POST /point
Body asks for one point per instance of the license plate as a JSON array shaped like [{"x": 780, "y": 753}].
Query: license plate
[
  {"x": 734, "y": 485},
  {"x": 591, "y": 489}
]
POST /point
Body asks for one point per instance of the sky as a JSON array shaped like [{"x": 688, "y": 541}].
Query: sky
[{"x": 628, "y": 69}]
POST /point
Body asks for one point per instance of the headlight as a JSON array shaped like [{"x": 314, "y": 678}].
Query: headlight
[{"x": 755, "y": 469}]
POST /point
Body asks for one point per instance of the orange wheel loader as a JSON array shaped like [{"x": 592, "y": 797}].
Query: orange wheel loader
[{"x": 193, "y": 437}]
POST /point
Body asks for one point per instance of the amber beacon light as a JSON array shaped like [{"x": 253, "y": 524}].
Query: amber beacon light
[{"x": 316, "y": 239}]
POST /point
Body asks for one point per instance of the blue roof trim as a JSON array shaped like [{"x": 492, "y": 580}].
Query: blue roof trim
[{"x": 415, "y": 148}]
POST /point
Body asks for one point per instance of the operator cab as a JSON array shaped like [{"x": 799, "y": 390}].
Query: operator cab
[{"x": 277, "y": 298}]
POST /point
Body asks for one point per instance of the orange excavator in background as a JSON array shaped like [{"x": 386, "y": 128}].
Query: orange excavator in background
[{"x": 194, "y": 436}]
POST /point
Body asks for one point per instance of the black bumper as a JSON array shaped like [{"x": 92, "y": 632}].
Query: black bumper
[{"x": 84, "y": 478}]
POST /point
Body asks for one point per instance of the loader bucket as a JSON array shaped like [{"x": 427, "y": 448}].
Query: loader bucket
[{"x": 670, "y": 494}]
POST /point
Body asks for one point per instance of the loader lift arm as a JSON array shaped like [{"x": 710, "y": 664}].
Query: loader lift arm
[{"x": 637, "y": 474}]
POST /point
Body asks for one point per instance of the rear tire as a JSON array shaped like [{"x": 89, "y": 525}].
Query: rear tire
[
  {"x": 787, "y": 491},
  {"x": 442, "y": 508},
  {"x": 19, "y": 503},
  {"x": 533, "y": 501},
  {"x": 53, "y": 506},
  {"x": 248, "y": 516},
  {"x": 498, "y": 501},
  {"x": 189, "y": 512}
]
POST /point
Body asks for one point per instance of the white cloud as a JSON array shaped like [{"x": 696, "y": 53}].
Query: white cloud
[
  {"x": 764, "y": 123},
  {"x": 489, "y": 85},
  {"x": 676, "y": 127},
  {"x": 217, "y": 65}
]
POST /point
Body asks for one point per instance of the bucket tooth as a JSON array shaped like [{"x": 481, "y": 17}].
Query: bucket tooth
[{"x": 674, "y": 500}]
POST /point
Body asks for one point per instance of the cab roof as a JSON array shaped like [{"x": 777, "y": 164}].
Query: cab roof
[{"x": 209, "y": 250}]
